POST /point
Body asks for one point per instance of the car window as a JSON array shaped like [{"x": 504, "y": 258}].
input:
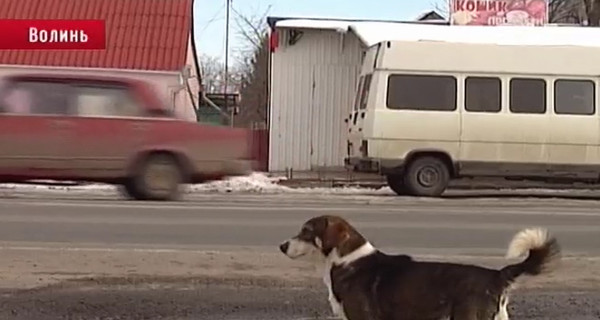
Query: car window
[
  {"x": 105, "y": 102},
  {"x": 35, "y": 98}
]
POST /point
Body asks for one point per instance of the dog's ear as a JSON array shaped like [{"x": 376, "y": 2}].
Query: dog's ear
[{"x": 336, "y": 233}]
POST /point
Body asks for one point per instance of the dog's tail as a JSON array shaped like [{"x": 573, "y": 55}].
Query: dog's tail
[{"x": 542, "y": 249}]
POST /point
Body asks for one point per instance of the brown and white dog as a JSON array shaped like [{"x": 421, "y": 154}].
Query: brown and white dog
[{"x": 367, "y": 284}]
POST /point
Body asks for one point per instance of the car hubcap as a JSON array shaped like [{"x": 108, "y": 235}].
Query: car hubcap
[
  {"x": 161, "y": 177},
  {"x": 428, "y": 177}
]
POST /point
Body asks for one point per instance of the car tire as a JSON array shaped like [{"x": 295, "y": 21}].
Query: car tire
[
  {"x": 129, "y": 189},
  {"x": 396, "y": 183},
  {"x": 426, "y": 177},
  {"x": 159, "y": 178}
]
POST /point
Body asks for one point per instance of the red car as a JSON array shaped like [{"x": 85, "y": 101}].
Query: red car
[{"x": 111, "y": 130}]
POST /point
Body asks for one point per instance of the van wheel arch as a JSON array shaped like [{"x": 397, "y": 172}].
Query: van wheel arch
[
  {"x": 427, "y": 174},
  {"x": 441, "y": 155}
]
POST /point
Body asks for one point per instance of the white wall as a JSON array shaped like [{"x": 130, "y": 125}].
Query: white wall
[
  {"x": 183, "y": 97},
  {"x": 313, "y": 83}
]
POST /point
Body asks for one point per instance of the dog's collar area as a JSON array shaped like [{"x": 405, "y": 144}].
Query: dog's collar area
[{"x": 366, "y": 249}]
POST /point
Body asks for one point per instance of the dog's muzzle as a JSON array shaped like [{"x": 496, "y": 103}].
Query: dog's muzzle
[{"x": 284, "y": 247}]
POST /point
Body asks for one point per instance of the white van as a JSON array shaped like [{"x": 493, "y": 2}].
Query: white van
[{"x": 427, "y": 112}]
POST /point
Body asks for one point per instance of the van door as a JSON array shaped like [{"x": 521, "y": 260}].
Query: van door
[
  {"x": 504, "y": 127},
  {"x": 574, "y": 129},
  {"x": 420, "y": 114},
  {"x": 357, "y": 118}
]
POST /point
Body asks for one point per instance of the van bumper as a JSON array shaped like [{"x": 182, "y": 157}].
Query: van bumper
[{"x": 373, "y": 165}]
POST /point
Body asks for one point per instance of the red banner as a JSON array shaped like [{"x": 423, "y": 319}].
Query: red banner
[
  {"x": 499, "y": 12},
  {"x": 21, "y": 34}
]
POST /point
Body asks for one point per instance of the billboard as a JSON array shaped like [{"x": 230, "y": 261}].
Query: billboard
[{"x": 499, "y": 12}]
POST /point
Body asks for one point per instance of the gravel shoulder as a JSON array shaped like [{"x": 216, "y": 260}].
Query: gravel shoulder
[
  {"x": 254, "y": 284},
  {"x": 25, "y": 267},
  {"x": 256, "y": 298}
]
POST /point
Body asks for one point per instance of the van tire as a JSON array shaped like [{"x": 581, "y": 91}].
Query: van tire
[
  {"x": 159, "y": 177},
  {"x": 426, "y": 176},
  {"x": 396, "y": 183}
]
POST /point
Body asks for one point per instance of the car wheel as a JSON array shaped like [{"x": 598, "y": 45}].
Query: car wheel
[
  {"x": 159, "y": 178},
  {"x": 396, "y": 183},
  {"x": 426, "y": 177},
  {"x": 129, "y": 189}
]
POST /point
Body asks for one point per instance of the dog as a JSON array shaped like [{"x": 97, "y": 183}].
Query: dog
[{"x": 367, "y": 284}]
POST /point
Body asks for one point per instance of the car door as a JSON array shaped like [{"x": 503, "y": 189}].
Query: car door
[
  {"x": 110, "y": 129},
  {"x": 36, "y": 129}
]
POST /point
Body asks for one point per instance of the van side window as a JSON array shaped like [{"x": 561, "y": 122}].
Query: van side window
[
  {"x": 574, "y": 97},
  {"x": 366, "y": 88},
  {"x": 527, "y": 95},
  {"x": 421, "y": 92},
  {"x": 483, "y": 94}
]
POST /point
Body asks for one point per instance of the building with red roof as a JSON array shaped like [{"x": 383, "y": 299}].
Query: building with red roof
[{"x": 145, "y": 39}]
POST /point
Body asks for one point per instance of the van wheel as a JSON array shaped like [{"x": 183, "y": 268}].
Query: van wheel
[
  {"x": 158, "y": 178},
  {"x": 426, "y": 177},
  {"x": 396, "y": 183}
]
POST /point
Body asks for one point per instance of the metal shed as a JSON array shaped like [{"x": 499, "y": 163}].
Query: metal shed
[{"x": 314, "y": 71}]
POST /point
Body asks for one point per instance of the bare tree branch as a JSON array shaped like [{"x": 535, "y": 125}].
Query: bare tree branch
[
  {"x": 251, "y": 29},
  {"x": 213, "y": 74},
  {"x": 252, "y": 59},
  {"x": 592, "y": 10}
]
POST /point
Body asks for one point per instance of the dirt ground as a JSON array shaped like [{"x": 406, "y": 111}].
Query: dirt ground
[
  {"x": 239, "y": 299},
  {"x": 98, "y": 283}
]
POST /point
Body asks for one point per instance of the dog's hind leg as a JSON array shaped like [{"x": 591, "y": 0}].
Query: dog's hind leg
[
  {"x": 502, "y": 313},
  {"x": 465, "y": 313}
]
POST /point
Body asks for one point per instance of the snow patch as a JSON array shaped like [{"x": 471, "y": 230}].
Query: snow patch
[
  {"x": 21, "y": 187},
  {"x": 261, "y": 183},
  {"x": 253, "y": 183}
]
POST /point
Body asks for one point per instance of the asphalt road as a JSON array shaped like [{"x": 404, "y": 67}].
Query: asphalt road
[
  {"x": 454, "y": 226},
  {"x": 215, "y": 256}
]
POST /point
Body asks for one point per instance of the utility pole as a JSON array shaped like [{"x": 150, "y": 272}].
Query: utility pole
[{"x": 225, "y": 93}]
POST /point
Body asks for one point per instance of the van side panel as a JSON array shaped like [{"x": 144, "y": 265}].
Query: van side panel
[{"x": 497, "y": 144}]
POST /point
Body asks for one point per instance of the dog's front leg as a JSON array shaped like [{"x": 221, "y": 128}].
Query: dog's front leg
[{"x": 336, "y": 307}]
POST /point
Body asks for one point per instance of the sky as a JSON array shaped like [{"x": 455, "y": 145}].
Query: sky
[{"x": 210, "y": 15}]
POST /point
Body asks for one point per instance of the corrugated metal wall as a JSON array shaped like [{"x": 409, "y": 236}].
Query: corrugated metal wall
[{"x": 312, "y": 88}]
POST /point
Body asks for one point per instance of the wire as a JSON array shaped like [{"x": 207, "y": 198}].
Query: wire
[{"x": 212, "y": 20}]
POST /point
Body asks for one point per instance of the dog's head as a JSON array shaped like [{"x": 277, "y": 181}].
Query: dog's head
[{"x": 320, "y": 235}]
